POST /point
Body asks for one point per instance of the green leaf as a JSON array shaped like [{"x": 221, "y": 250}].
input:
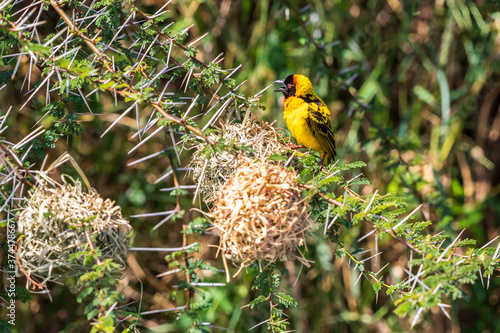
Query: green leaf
[
  {"x": 84, "y": 293},
  {"x": 339, "y": 253},
  {"x": 285, "y": 299},
  {"x": 38, "y": 48},
  {"x": 256, "y": 301},
  {"x": 466, "y": 241},
  {"x": 353, "y": 165},
  {"x": 277, "y": 157},
  {"x": 106, "y": 85}
]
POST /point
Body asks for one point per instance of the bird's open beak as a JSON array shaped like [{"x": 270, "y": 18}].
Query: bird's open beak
[{"x": 280, "y": 89}]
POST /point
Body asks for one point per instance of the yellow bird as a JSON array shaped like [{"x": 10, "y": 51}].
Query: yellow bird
[{"x": 307, "y": 116}]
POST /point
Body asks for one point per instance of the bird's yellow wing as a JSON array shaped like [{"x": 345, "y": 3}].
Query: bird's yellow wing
[{"x": 321, "y": 128}]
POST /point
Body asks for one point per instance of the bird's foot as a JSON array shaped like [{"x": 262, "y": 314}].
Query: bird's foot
[{"x": 292, "y": 146}]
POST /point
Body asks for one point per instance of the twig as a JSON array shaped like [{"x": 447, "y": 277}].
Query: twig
[{"x": 390, "y": 232}]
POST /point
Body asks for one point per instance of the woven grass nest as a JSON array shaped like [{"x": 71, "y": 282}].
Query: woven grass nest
[
  {"x": 60, "y": 220},
  {"x": 260, "y": 215},
  {"x": 212, "y": 168}
]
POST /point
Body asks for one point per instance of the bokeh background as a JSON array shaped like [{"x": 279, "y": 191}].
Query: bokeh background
[{"x": 414, "y": 91}]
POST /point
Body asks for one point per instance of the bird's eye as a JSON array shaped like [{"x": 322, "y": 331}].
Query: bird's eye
[{"x": 289, "y": 85}]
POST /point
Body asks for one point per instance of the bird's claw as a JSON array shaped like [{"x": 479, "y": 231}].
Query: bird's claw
[{"x": 292, "y": 146}]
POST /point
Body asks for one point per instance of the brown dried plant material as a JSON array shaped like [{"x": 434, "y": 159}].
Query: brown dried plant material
[
  {"x": 60, "y": 220},
  {"x": 212, "y": 168},
  {"x": 260, "y": 214}
]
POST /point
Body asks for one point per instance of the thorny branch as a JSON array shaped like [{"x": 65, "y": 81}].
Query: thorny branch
[
  {"x": 105, "y": 60},
  {"x": 6, "y": 151},
  {"x": 390, "y": 232},
  {"x": 77, "y": 32}
]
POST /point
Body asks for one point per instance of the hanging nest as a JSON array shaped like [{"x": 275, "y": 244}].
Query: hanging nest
[
  {"x": 260, "y": 215},
  {"x": 60, "y": 220},
  {"x": 213, "y": 167}
]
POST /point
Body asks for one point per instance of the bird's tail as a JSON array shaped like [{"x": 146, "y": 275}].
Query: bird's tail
[{"x": 328, "y": 159}]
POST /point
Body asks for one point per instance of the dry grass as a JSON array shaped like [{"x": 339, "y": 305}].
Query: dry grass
[
  {"x": 60, "y": 220},
  {"x": 213, "y": 168},
  {"x": 260, "y": 214}
]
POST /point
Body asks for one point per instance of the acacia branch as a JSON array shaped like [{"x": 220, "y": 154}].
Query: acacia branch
[
  {"x": 181, "y": 122},
  {"x": 7, "y": 152},
  {"x": 391, "y": 232},
  {"x": 78, "y": 33},
  {"x": 105, "y": 61}
]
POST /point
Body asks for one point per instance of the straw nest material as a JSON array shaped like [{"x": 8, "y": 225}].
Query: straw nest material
[
  {"x": 61, "y": 220},
  {"x": 213, "y": 167},
  {"x": 260, "y": 214}
]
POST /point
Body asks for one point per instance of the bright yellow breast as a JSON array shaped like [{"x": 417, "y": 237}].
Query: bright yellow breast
[{"x": 295, "y": 115}]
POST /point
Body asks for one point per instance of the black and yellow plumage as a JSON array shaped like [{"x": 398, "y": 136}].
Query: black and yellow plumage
[{"x": 307, "y": 116}]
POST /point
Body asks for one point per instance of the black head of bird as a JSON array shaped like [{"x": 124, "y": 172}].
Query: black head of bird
[{"x": 289, "y": 86}]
